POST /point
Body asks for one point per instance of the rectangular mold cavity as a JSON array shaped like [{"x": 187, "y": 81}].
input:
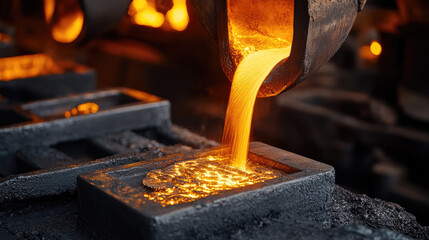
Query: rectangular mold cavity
[
  {"x": 112, "y": 202},
  {"x": 56, "y": 109},
  {"x": 57, "y": 171},
  {"x": 81, "y": 150},
  {"x": 120, "y": 109},
  {"x": 11, "y": 117},
  {"x": 69, "y": 77}
]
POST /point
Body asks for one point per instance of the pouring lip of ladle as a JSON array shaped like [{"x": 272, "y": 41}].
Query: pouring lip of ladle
[
  {"x": 320, "y": 28},
  {"x": 361, "y": 5}
]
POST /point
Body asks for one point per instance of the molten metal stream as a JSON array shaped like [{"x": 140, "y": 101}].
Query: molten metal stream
[
  {"x": 248, "y": 78},
  {"x": 191, "y": 180},
  {"x": 258, "y": 43}
]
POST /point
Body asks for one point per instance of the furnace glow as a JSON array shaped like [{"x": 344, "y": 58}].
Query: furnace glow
[
  {"x": 144, "y": 12},
  {"x": 375, "y": 48},
  {"x": 66, "y": 19},
  {"x": 194, "y": 179},
  {"x": 27, "y": 66}
]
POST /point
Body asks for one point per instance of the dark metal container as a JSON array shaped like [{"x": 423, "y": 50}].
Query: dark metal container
[
  {"x": 317, "y": 29},
  {"x": 112, "y": 201}
]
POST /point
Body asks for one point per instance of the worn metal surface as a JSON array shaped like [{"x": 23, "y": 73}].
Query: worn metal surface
[
  {"x": 60, "y": 180},
  {"x": 354, "y": 217},
  {"x": 320, "y": 28},
  {"x": 76, "y": 79},
  {"x": 43, "y": 123},
  {"x": 306, "y": 194},
  {"x": 50, "y": 171}
]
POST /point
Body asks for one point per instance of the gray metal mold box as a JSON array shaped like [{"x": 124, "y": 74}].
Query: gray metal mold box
[
  {"x": 112, "y": 204},
  {"x": 75, "y": 78},
  {"x": 43, "y": 122}
]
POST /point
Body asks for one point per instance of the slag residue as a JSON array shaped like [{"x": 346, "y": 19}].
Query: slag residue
[
  {"x": 194, "y": 179},
  {"x": 82, "y": 109},
  {"x": 27, "y": 66}
]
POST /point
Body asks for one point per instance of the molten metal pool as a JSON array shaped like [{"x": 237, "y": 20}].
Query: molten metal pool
[{"x": 194, "y": 179}]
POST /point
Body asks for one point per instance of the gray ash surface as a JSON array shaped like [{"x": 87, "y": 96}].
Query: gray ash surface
[
  {"x": 352, "y": 208},
  {"x": 354, "y": 216}
]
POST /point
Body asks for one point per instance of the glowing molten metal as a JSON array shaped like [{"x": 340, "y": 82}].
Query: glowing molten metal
[
  {"x": 248, "y": 78},
  {"x": 375, "y": 48},
  {"x": 257, "y": 44},
  {"x": 82, "y": 109},
  {"x": 66, "y": 19},
  {"x": 194, "y": 179},
  {"x": 145, "y": 13},
  {"x": 27, "y": 66},
  {"x": 177, "y": 16}
]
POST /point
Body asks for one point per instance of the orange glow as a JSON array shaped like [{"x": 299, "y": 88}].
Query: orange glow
[
  {"x": 66, "y": 19},
  {"x": 194, "y": 179},
  {"x": 248, "y": 78},
  {"x": 259, "y": 25},
  {"x": 258, "y": 42},
  {"x": 82, "y": 109},
  {"x": 27, "y": 66},
  {"x": 371, "y": 53},
  {"x": 177, "y": 16},
  {"x": 260, "y": 36},
  {"x": 375, "y": 48},
  {"x": 144, "y": 13},
  {"x": 5, "y": 38},
  {"x": 49, "y": 9}
]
